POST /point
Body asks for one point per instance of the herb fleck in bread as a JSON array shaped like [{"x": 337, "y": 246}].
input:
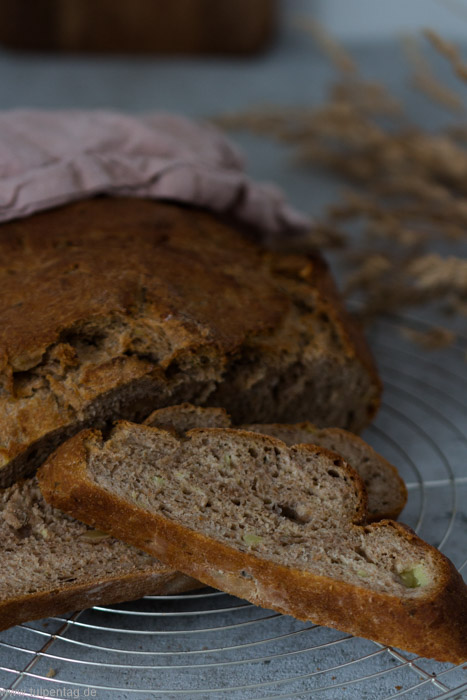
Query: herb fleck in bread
[
  {"x": 386, "y": 490},
  {"x": 112, "y": 308},
  {"x": 279, "y": 526},
  {"x": 52, "y": 564}
]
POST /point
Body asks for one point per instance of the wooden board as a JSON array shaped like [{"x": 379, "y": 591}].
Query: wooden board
[{"x": 138, "y": 26}]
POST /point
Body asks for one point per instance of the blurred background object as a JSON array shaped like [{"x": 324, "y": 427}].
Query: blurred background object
[
  {"x": 363, "y": 20},
  {"x": 138, "y": 26}
]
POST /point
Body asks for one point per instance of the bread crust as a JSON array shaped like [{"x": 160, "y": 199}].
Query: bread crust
[
  {"x": 101, "y": 591},
  {"x": 116, "y": 307},
  {"x": 433, "y": 626}
]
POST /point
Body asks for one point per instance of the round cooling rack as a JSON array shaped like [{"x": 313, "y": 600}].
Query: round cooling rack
[{"x": 206, "y": 645}]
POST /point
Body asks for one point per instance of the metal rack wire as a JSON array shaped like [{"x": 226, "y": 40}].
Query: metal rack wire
[{"x": 206, "y": 644}]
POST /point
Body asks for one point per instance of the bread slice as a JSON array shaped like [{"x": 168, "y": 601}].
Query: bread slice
[
  {"x": 279, "y": 526},
  {"x": 52, "y": 564},
  {"x": 386, "y": 490},
  {"x": 387, "y": 494},
  {"x": 67, "y": 565},
  {"x": 184, "y": 417},
  {"x": 81, "y": 566},
  {"x": 112, "y": 308}
]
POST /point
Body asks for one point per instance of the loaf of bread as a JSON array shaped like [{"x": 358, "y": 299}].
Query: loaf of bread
[
  {"x": 52, "y": 564},
  {"x": 386, "y": 491},
  {"x": 115, "y": 307},
  {"x": 282, "y": 527}
]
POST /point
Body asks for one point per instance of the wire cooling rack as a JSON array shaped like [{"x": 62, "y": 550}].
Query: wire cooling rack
[{"x": 209, "y": 645}]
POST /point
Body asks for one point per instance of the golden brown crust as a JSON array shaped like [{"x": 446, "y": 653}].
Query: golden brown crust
[
  {"x": 100, "y": 261},
  {"x": 106, "y": 296},
  {"x": 99, "y": 257},
  {"x": 434, "y": 625}
]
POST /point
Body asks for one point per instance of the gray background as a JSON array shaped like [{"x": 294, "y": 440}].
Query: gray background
[{"x": 375, "y": 19}]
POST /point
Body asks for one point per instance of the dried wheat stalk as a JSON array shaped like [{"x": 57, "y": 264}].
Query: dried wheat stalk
[
  {"x": 449, "y": 51},
  {"x": 433, "y": 339},
  {"x": 326, "y": 42},
  {"x": 410, "y": 185},
  {"x": 424, "y": 80}
]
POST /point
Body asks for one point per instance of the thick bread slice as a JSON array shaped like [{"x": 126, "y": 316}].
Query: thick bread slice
[
  {"x": 52, "y": 564},
  {"x": 111, "y": 308},
  {"x": 387, "y": 494},
  {"x": 278, "y": 526}
]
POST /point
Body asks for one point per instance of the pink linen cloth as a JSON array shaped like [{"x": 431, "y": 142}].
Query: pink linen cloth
[{"x": 49, "y": 158}]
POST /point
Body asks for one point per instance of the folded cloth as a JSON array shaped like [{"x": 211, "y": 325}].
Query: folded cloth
[{"x": 49, "y": 158}]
